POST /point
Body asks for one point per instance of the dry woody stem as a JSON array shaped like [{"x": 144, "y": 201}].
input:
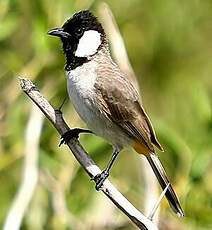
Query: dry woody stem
[{"x": 56, "y": 118}]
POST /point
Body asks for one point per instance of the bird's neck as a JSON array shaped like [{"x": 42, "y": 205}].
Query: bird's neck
[{"x": 72, "y": 62}]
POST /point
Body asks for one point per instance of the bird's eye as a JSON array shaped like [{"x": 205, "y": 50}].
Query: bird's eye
[{"x": 79, "y": 31}]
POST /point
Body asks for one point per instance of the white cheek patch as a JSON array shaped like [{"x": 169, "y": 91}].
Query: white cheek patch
[{"x": 88, "y": 43}]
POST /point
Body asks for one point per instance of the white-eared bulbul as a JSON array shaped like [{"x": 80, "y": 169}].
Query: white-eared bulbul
[{"x": 105, "y": 98}]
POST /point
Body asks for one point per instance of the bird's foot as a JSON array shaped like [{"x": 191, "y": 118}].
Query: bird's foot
[
  {"x": 100, "y": 178},
  {"x": 72, "y": 133}
]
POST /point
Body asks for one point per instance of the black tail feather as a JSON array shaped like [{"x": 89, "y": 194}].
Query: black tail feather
[{"x": 163, "y": 180}]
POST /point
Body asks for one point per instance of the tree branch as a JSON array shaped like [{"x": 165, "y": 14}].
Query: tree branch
[{"x": 55, "y": 117}]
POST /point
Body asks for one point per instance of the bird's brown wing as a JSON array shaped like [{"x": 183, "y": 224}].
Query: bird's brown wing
[{"x": 120, "y": 101}]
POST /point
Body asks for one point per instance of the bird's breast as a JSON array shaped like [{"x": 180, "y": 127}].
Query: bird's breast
[{"x": 80, "y": 83}]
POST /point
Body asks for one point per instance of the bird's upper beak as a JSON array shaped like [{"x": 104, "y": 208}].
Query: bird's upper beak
[{"x": 59, "y": 32}]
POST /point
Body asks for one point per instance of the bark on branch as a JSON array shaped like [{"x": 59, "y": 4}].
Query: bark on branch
[{"x": 56, "y": 118}]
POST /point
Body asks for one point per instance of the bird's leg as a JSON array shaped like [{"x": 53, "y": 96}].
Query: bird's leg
[
  {"x": 64, "y": 100},
  {"x": 72, "y": 133},
  {"x": 100, "y": 178}
]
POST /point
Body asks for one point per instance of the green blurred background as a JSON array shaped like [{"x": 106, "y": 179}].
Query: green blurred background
[{"x": 169, "y": 46}]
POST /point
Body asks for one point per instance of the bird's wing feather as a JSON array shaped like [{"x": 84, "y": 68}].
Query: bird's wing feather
[{"x": 120, "y": 101}]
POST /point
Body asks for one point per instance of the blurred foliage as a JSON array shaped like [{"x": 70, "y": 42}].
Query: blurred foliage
[{"x": 169, "y": 45}]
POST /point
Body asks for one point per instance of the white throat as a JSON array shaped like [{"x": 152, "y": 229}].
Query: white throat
[{"x": 88, "y": 44}]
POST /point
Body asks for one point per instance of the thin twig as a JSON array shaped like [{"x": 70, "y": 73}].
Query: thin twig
[
  {"x": 55, "y": 117},
  {"x": 152, "y": 213},
  {"x": 151, "y": 191}
]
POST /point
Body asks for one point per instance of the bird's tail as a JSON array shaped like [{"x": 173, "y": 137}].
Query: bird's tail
[{"x": 163, "y": 180}]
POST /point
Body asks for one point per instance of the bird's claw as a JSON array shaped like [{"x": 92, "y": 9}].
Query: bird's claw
[
  {"x": 100, "y": 178},
  {"x": 72, "y": 133}
]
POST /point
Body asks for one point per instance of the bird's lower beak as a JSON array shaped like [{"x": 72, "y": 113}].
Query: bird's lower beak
[{"x": 58, "y": 32}]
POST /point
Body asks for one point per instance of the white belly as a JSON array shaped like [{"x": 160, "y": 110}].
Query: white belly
[{"x": 80, "y": 83}]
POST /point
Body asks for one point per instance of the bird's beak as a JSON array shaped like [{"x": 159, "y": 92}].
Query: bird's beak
[{"x": 59, "y": 32}]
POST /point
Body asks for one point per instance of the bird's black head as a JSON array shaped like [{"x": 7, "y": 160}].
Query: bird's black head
[{"x": 82, "y": 36}]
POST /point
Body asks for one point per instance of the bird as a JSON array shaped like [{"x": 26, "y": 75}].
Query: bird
[{"x": 106, "y": 99}]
